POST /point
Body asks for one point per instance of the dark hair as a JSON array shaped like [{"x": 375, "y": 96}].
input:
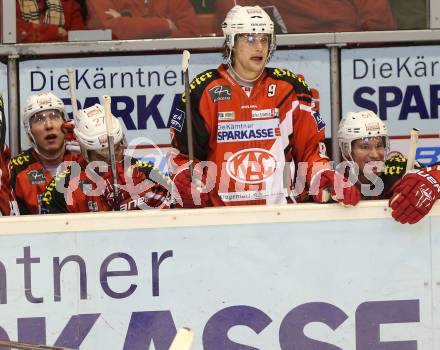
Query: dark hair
[{"x": 84, "y": 11}]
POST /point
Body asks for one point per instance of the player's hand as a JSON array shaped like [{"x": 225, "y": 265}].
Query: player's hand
[
  {"x": 333, "y": 185},
  {"x": 70, "y": 140},
  {"x": 187, "y": 193},
  {"x": 414, "y": 196}
]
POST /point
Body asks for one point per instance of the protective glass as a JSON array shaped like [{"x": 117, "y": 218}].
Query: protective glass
[
  {"x": 252, "y": 39},
  {"x": 42, "y": 117}
]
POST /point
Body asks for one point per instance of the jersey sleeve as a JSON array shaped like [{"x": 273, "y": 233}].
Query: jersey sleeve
[{"x": 306, "y": 140}]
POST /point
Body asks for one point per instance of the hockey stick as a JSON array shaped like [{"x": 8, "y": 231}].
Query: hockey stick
[
  {"x": 27, "y": 346},
  {"x": 183, "y": 339},
  {"x": 72, "y": 91},
  {"x": 111, "y": 148},
  {"x": 2, "y": 128},
  {"x": 414, "y": 137},
  {"x": 412, "y": 149},
  {"x": 189, "y": 128}
]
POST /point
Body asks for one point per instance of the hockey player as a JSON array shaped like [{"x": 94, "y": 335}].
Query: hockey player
[
  {"x": 88, "y": 186},
  {"x": 364, "y": 144},
  {"x": 363, "y": 141},
  {"x": 252, "y": 124},
  {"x": 33, "y": 169}
]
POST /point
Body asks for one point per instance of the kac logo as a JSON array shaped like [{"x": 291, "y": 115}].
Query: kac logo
[{"x": 251, "y": 166}]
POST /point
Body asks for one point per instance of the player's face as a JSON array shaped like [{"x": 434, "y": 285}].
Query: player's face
[
  {"x": 103, "y": 155},
  {"x": 47, "y": 133},
  {"x": 369, "y": 149},
  {"x": 250, "y": 54}
]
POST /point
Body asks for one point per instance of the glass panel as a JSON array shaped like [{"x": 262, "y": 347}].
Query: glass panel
[{"x": 42, "y": 21}]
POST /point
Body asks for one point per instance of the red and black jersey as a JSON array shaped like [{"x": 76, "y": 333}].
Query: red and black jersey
[
  {"x": 7, "y": 201},
  {"x": 29, "y": 179},
  {"x": 79, "y": 189},
  {"x": 255, "y": 142}
]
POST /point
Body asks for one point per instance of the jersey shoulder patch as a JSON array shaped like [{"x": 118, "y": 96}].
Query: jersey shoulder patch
[
  {"x": 201, "y": 80},
  {"x": 296, "y": 80},
  {"x": 21, "y": 161}
]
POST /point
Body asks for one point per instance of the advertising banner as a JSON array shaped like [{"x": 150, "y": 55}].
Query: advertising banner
[
  {"x": 401, "y": 84},
  {"x": 144, "y": 88},
  {"x": 290, "y": 286}
]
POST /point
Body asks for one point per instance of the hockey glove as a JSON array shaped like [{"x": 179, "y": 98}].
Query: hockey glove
[
  {"x": 72, "y": 144},
  {"x": 189, "y": 194},
  {"x": 331, "y": 184},
  {"x": 414, "y": 196}
]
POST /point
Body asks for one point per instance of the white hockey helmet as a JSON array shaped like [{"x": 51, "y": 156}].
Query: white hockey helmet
[
  {"x": 247, "y": 20},
  {"x": 41, "y": 102},
  {"x": 359, "y": 125},
  {"x": 91, "y": 131}
]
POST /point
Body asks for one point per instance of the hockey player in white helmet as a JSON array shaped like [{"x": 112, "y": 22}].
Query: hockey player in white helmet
[
  {"x": 364, "y": 143},
  {"x": 91, "y": 188},
  {"x": 33, "y": 169},
  {"x": 363, "y": 140},
  {"x": 249, "y": 119}
]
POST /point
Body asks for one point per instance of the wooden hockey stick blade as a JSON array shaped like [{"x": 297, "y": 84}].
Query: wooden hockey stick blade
[
  {"x": 183, "y": 339},
  {"x": 185, "y": 60}
]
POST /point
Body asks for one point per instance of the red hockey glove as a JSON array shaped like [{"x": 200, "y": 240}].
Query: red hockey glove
[
  {"x": 70, "y": 140},
  {"x": 189, "y": 194},
  {"x": 414, "y": 196},
  {"x": 340, "y": 189}
]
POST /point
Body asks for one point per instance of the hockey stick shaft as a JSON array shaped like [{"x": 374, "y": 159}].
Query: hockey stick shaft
[
  {"x": 72, "y": 91},
  {"x": 183, "y": 339},
  {"x": 188, "y": 112},
  {"x": 111, "y": 148},
  {"x": 414, "y": 137}
]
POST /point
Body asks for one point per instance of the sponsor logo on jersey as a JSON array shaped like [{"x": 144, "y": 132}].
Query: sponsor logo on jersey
[
  {"x": 222, "y": 116},
  {"x": 266, "y": 113},
  {"x": 36, "y": 177},
  {"x": 220, "y": 93},
  {"x": 248, "y": 131},
  {"x": 20, "y": 159},
  {"x": 320, "y": 124},
  {"x": 251, "y": 166},
  {"x": 249, "y": 107},
  {"x": 177, "y": 119}
]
